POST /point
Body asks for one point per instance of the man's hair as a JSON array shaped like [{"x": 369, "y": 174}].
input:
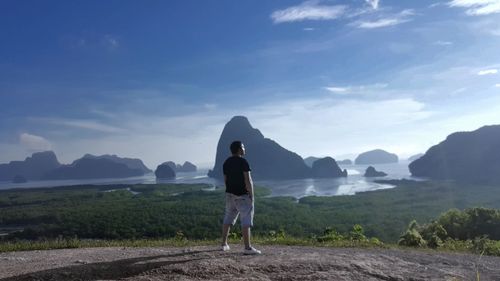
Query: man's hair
[{"x": 235, "y": 147}]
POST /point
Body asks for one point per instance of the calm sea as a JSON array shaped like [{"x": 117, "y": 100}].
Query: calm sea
[{"x": 351, "y": 185}]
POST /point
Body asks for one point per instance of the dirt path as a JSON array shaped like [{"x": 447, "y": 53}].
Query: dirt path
[{"x": 276, "y": 263}]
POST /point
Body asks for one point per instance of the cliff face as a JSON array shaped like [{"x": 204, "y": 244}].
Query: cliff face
[
  {"x": 32, "y": 168},
  {"x": 327, "y": 168},
  {"x": 372, "y": 172},
  {"x": 377, "y": 156},
  {"x": 464, "y": 156},
  {"x": 165, "y": 171},
  {"x": 268, "y": 160}
]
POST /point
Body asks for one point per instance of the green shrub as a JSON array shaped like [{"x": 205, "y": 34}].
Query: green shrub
[
  {"x": 330, "y": 234},
  {"x": 412, "y": 238},
  {"x": 357, "y": 233}
]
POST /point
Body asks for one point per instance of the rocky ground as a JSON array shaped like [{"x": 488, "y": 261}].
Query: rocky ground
[{"x": 276, "y": 263}]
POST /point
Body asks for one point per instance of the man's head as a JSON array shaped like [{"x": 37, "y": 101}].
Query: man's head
[{"x": 237, "y": 148}]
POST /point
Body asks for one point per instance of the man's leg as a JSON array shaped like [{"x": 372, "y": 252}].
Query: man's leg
[
  {"x": 230, "y": 215},
  {"x": 225, "y": 233},
  {"x": 249, "y": 250},
  {"x": 246, "y": 236}
]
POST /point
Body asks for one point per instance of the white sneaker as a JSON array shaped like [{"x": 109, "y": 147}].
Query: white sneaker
[
  {"x": 252, "y": 251},
  {"x": 225, "y": 248}
]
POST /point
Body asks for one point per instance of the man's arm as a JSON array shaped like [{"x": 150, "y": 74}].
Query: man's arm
[{"x": 248, "y": 184}]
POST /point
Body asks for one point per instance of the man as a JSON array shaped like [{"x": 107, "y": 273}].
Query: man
[{"x": 239, "y": 196}]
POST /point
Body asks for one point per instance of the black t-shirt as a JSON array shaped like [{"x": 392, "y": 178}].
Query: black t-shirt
[{"x": 233, "y": 168}]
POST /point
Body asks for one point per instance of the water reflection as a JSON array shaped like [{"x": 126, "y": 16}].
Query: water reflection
[
  {"x": 351, "y": 185},
  {"x": 321, "y": 187}
]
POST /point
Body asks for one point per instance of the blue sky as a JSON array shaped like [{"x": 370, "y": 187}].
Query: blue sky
[{"x": 159, "y": 79}]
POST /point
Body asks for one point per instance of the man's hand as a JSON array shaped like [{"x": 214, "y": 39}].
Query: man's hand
[{"x": 248, "y": 184}]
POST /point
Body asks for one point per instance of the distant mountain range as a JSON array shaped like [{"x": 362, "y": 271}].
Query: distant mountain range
[
  {"x": 186, "y": 167},
  {"x": 45, "y": 166},
  {"x": 268, "y": 160},
  {"x": 92, "y": 168},
  {"x": 463, "y": 156},
  {"x": 377, "y": 156},
  {"x": 32, "y": 168},
  {"x": 132, "y": 163},
  {"x": 311, "y": 159},
  {"x": 415, "y": 157}
]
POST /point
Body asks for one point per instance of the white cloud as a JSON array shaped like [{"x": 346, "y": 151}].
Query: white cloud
[
  {"x": 443, "y": 43},
  {"x": 458, "y": 91},
  {"x": 373, "y": 3},
  {"x": 434, "y": 5},
  {"x": 309, "y": 10},
  {"x": 308, "y": 29},
  {"x": 34, "y": 142},
  {"x": 488, "y": 71},
  {"x": 402, "y": 17},
  {"x": 477, "y": 7},
  {"x": 87, "y": 124},
  {"x": 110, "y": 42},
  {"x": 338, "y": 90},
  {"x": 328, "y": 126},
  {"x": 497, "y": 85},
  {"x": 356, "y": 89},
  {"x": 210, "y": 106}
]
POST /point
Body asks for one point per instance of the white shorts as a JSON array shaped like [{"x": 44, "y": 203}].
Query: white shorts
[{"x": 239, "y": 205}]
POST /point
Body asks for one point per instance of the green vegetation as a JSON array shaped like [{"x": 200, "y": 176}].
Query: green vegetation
[
  {"x": 173, "y": 211},
  {"x": 272, "y": 238},
  {"x": 474, "y": 229}
]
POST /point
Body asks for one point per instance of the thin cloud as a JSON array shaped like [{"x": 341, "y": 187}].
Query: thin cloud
[
  {"x": 497, "y": 85},
  {"x": 87, "y": 124},
  {"x": 309, "y": 10},
  {"x": 34, "y": 142},
  {"x": 373, "y": 3},
  {"x": 338, "y": 90},
  {"x": 308, "y": 29},
  {"x": 477, "y": 7},
  {"x": 487, "y": 72},
  {"x": 110, "y": 42},
  {"x": 308, "y": 116},
  {"x": 443, "y": 43},
  {"x": 355, "y": 89},
  {"x": 402, "y": 17}
]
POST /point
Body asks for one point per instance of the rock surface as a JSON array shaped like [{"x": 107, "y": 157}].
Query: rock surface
[
  {"x": 377, "y": 156},
  {"x": 165, "y": 171},
  {"x": 32, "y": 168},
  {"x": 276, "y": 263},
  {"x": 268, "y": 160},
  {"x": 371, "y": 172},
  {"x": 327, "y": 168},
  {"x": 464, "y": 156}
]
